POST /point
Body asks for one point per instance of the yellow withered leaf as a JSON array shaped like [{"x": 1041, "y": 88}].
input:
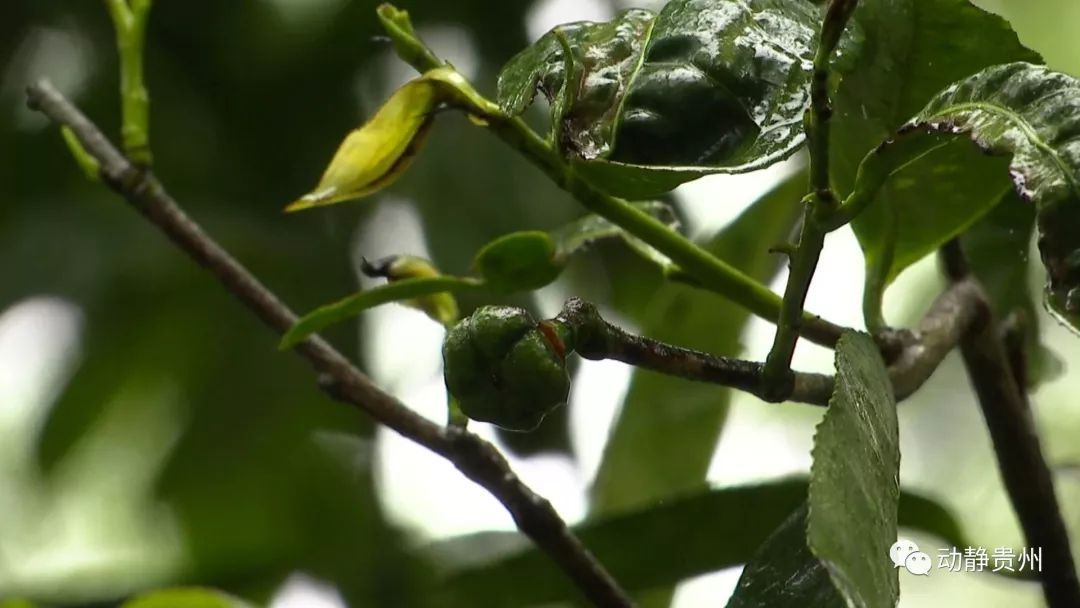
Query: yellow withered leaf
[{"x": 377, "y": 153}]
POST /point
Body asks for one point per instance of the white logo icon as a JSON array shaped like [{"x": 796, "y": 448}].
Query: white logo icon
[
  {"x": 918, "y": 563},
  {"x": 905, "y": 553}
]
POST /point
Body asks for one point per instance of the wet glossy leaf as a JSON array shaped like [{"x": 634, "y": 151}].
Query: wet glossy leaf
[
  {"x": 648, "y": 101},
  {"x": 186, "y": 597},
  {"x": 353, "y": 305},
  {"x": 911, "y": 51},
  {"x": 854, "y": 489},
  {"x": 682, "y": 420},
  {"x": 784, "y": 573},
  {"x": 1027, "y": 118},
  {"x": 718, "y": 528}
]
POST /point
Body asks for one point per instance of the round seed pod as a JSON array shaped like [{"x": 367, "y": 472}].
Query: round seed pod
[{"x": 505, "y": 368}]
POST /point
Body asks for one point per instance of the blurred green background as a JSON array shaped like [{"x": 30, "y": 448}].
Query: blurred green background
[{"x": 151, "y": 434}]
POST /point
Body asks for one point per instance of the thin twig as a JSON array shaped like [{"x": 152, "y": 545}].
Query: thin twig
[
  {"x": 939, "y": 331},
  {"x": 474, "y": 457},
  {"x": 1027, "y": 478},
  {"x": 819, "y": 204}
]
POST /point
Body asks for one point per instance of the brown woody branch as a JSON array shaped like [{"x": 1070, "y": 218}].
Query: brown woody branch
[
  {"x": 477, "y": 459},
  {"x": 1027, "y": 478},
  {"x": 920, "y": 352}
]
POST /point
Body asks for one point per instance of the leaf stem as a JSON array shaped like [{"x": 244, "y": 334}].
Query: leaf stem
[
  {"x": 711, "y": 272},
  {"x": 820, "y": 203},
  {"x": 129, "y": 19}
]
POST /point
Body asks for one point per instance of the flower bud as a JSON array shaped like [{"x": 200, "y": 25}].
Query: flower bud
[{"x": 505, "y": 368}]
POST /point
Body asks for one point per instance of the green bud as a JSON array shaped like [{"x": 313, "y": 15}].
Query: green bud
[{"x": 505, "y": 368}]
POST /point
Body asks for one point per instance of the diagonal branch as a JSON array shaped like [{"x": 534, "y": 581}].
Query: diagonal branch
[
  {"x": 474, "y": 457},
  {"x": 1023, "y": 468}
]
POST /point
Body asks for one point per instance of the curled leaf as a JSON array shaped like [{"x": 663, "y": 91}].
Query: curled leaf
[{"x": 377, "y": 153}]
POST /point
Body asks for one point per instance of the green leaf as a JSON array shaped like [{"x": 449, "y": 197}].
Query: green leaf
[
  {"x": 655, "y": 100},
  {"x": 912, "y": 51},
  {"x": 854, "y": 489},
  {"x": 1027, "y": 118},
  {"x": 716, "y": 528},
  {"x": 349, "y": 307},
  {"x": 933, "y": 194},
  {"x": 784, "y": 573},
  {"x": 679, "y": 420},
  {"x": 186, "y": 597}
]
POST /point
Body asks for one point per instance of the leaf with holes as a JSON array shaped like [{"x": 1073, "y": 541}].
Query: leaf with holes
[{"x": 651, "y": 100}]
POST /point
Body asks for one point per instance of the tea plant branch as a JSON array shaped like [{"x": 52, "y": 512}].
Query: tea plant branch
[
  {"x": 477, "y": 459},
  {"x": 1024, "y": 472},
  {"x": 923, "y": 350},
  {"x": 129, "y": 18},
  {"x": 710, "y": 272},
  {"x": 820, "y": 203},
  {"x": 595, "y": 338}
]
